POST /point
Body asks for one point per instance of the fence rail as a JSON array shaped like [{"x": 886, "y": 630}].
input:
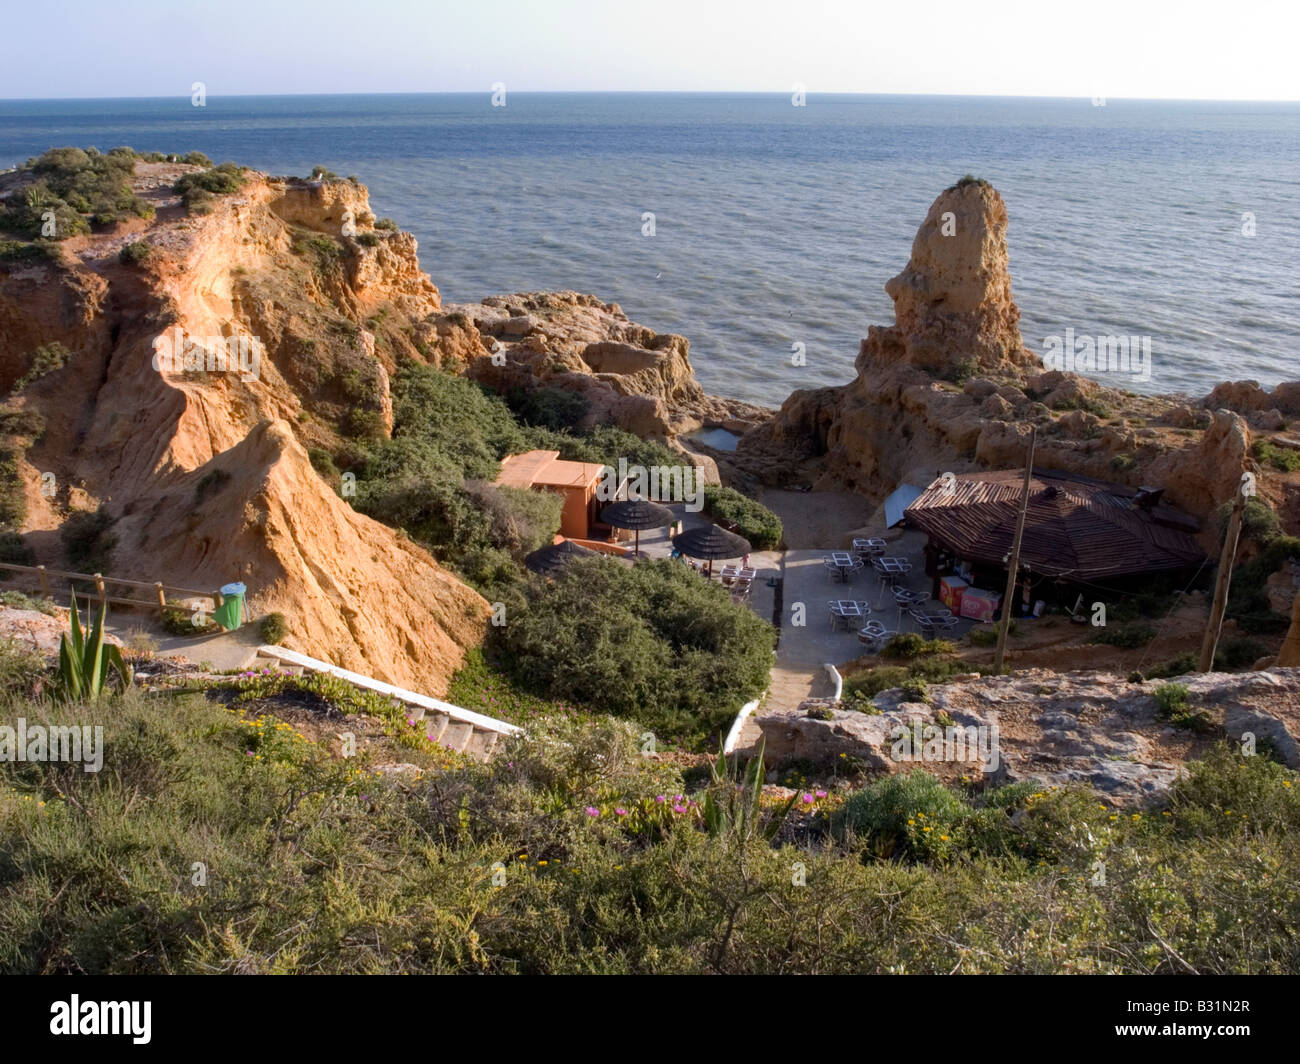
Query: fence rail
[{"x": 102, "y": 584}]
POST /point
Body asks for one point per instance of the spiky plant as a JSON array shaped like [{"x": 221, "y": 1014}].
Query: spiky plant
[{"x": 84, "y": 660}]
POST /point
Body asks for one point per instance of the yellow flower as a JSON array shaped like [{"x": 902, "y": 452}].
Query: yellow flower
[
  {"x": 926, "y": 829},
  {"x": 944, "y": 837}
]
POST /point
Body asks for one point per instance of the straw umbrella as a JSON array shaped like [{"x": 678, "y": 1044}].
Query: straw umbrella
[
  {"x": 636, "y": 514},
  {"x": 551, "y": 560},
  {"x": 709, "y": 542}
]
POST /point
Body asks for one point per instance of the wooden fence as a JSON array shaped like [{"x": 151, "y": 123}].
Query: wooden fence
[{"x": 106, "y": 586}]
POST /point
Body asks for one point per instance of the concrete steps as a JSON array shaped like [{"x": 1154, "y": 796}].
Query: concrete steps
[{"x": 447, "y": 725}]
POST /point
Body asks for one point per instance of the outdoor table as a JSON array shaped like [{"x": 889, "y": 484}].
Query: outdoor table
[
  {"x": 844, "y": 609},
  {"x": 869, "y": 546},
  {"x": 905, "y": 598},
  {"x": 934, "y": 620}
]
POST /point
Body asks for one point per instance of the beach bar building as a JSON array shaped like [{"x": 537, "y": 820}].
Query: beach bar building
[
  {"x": 1078, "y": 532},
  {"x": 575, "y": 481}
]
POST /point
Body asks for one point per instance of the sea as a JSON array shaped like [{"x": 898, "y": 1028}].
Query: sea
[{"x": 763, "y": 226}]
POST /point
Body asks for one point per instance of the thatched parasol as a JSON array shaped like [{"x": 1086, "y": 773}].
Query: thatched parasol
[
  {"x": 710, "y": 542},
  {"x": 550, "y": 560},
  {"x": 636, "y": 514}
]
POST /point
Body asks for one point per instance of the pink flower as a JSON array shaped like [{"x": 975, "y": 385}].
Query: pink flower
[
  {"x": 660, "y": 799},
  {"x": 620, "y": 812},
  {"x": 679, "y": 809},
  {"x": 248, "y": 753},
  {"x": 807, "y": 799},
  {"x": 820, "y": 794},
  {"x": 591, "y": 810}
]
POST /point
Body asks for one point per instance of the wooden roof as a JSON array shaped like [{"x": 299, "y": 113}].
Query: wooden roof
[
  {"x": 1075, "y": 527},
  {"x": 546, "y": 469}
]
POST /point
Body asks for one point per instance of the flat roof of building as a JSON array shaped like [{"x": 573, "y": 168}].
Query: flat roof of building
[{"x": 545, "y": 469}]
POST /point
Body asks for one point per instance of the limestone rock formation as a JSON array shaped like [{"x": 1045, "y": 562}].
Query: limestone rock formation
[
  {"x": 629, "y": 374},
  {"x": 951, "y": 387}
]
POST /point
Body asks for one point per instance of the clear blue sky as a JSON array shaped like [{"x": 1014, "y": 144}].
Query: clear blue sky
[{"x": 1198, "y": 49}]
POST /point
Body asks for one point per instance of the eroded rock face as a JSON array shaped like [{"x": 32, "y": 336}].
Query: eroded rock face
[
  {"x": 950, "y": 387},
  {"x": 1084, "y": 728},
  {"x": 353, "y": 592},
  {"x": 640, "y": 380},
  {"x": 331, "y": 308},
  {"x": 952, "y": 302}
]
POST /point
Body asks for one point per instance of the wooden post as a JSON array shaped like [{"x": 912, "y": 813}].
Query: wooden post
[
  {"x": 1220, "y": 606},
  {"x": 45, "y": 581},
  {"x": 1008, "y": 599},
  {"x": 99, "y": 587},
  {"x": 162, "y": 599}
]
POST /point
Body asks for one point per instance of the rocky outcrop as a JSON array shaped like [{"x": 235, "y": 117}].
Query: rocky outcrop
[
  {"x": 200, "y": 462},
  {"x": 630, "y": 375},
  {"x": 950, "y": 386},
  {"x": 1058, "y": 729}
]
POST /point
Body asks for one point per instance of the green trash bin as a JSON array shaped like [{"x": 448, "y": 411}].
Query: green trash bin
[{"x": 230, "y": 614}]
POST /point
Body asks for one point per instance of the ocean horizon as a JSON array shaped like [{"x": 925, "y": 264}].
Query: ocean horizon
[{"x": 777, "y": 225}]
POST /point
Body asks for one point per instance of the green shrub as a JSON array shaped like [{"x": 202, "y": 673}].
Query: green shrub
[
  {"x": 78, "y": 187},
  {"x": 88, "y": 541},
  {"x": 22, "y": 669},
  {"x": 1283, "y": 459},
  {"x": 386, "y": 223},
  {"x": 19, "y": 601},
  {"x": 749, "y": 518},
  {"x": 909, "y": 645},
  {"x": 914, "y": 691},
  {"x": 1239, "y": 653},
  {"x": 652, "y": 642},
  {"x": 197, "y": 158},
  {"x": 1125, "y": 636},
  {"x": 894, "y": 813},
  {"x": 198, "y": 190},
  {"x": 549, "y": 408},
  {"x": 1179, "y": 666},
  {"x": 1171, "y": 706},
  {"x": 273, "y": 628},
  {"x": 21, "y": 422},
  {"x": 178, "y": 619},
  {"x": 45, "y": 360},
  {"x": 14, "y": 550},
  {"x": 135, "y": 253},
  {"x": 13, "y": 503}
]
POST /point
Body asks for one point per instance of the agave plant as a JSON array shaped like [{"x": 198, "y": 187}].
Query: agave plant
[
  {"x": 84, "y": 660},
  {"x": 733, "y": 801}
]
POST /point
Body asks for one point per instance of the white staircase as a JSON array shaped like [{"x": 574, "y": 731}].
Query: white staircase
[{"x": 451, "y": 726}]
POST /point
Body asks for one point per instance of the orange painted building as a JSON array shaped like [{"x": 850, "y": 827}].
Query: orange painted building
[{"x": 576, "y": 481}]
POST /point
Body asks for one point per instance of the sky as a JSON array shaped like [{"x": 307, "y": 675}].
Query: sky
[{"x": 1196, "y": 49}]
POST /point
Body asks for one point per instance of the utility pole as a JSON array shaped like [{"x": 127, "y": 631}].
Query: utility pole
[
  {"x": 1220, "y": 606},
  {"x": 1008, "y": 599}
]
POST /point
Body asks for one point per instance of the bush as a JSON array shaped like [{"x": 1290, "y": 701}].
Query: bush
[
  {"x": 652, "y": 642},
  {"x": 87, "y": 541},
  {"x": 178, "y": 619},
  {"x": 198, "y": 190},
  {"x": 45, "y": 360},
  {"x": 78, "y": 187},
  {"x": 14, "y": 549},
  {"x": 1282, "y": 459},
  {"x": 19, "y": 601},
  {"x": 13, "y": 503},
  {"x": 1179, "y": 666},
  {"x": 135, "y": 253},
  {"x": 23, "y": 422},
  {"x": 273, "y": 628},
  {"x": 905, "y": 815},
  {"x": 1239, "y": 653},
  {"x": 909, "y": 645},
  {"x": 749, "y": 518},
  {"x": 1171, "y": 706},
  {"x": 1125, "y": 636},
  {"x": 549, "y": 408}
]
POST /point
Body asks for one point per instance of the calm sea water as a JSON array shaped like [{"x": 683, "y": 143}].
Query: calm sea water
[{"x": 777, "y": 225}]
